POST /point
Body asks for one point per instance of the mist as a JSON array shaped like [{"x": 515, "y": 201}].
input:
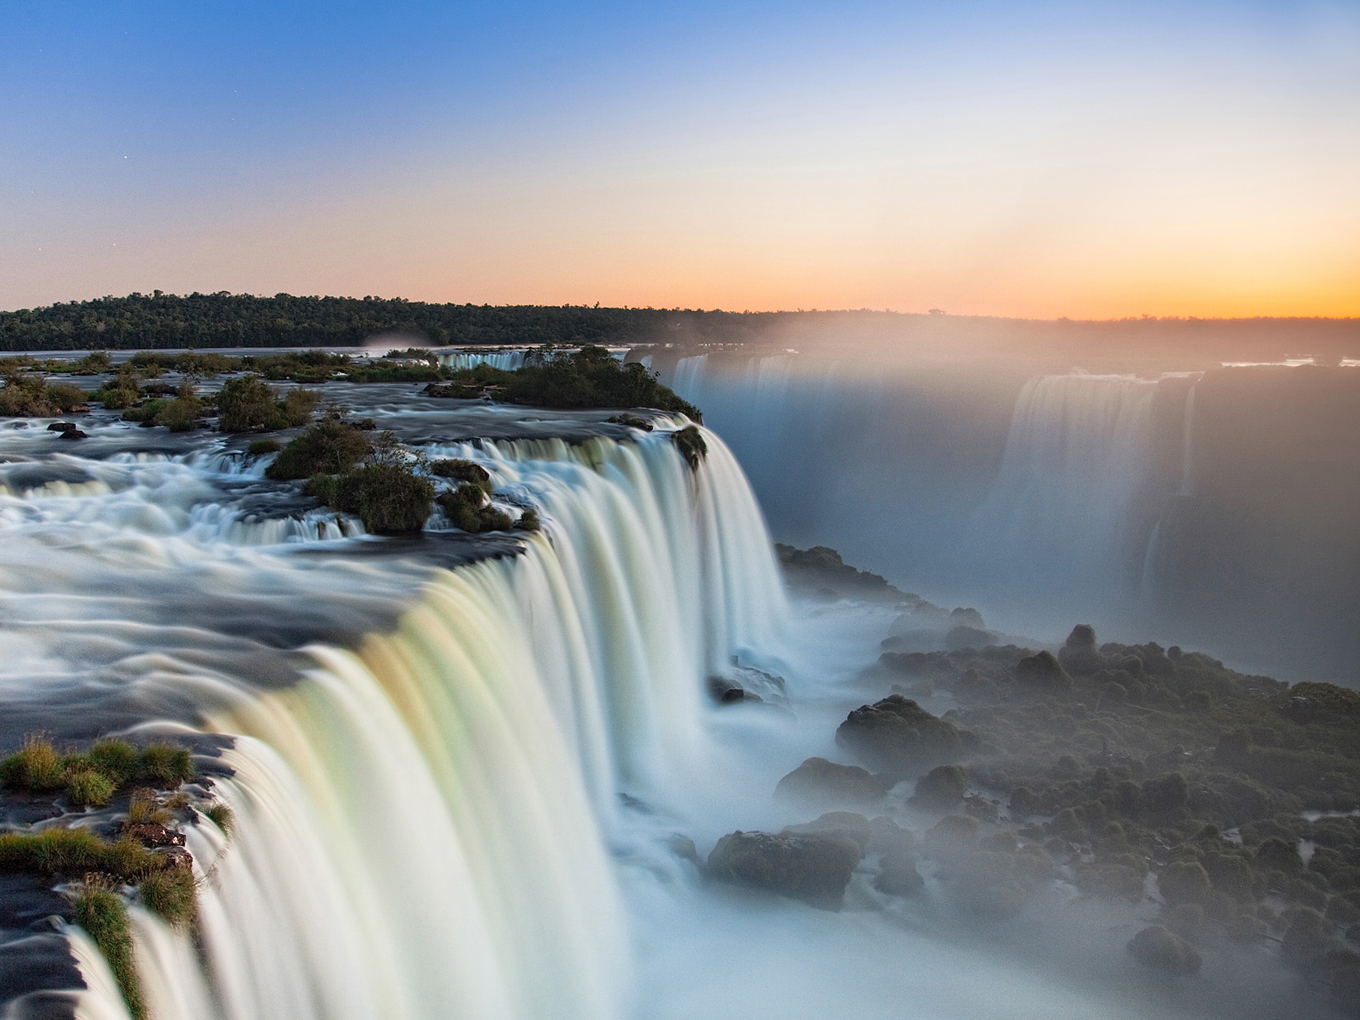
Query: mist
[{"x": 1048, "y": 472}]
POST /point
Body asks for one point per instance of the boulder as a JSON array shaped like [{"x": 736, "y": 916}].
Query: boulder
[
  {"x": 814, "y": 869},
  {"x": 1159, "y": 949},
  {"x": 897, "y": 874},
  {"x": 72, "y": 434},
  {"x": 898, "y": 736},
  {"x": 940, "y": 789},
  {"x": 819, "y": 782},
  {"x": 886, "y": 836},
  {"x": 1042, "y": 672},
  {"x": 62, "y": 426},
  {"x": 844, "y": 824},
  {"x": 1079, "y": 654},
  {"x": 964, "y": 636}
]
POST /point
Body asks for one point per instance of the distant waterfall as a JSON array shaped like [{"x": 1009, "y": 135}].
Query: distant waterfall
[
  {"x": 1074, "y": 462},
  {"x": 421, "y": 824},
  {"x": 507, "y": 360}
]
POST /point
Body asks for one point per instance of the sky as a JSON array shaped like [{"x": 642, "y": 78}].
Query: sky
[{"x": 1090, "y": 160}]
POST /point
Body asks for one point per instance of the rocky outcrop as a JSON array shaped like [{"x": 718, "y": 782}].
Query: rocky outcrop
[
  {"x": 898, "y": 736},
  {"x": 814, "y": 869}
]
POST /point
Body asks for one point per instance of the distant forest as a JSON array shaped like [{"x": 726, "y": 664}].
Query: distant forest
[
  {"x": 239, "y": 320},
  {"x": 157, "y": 320}
]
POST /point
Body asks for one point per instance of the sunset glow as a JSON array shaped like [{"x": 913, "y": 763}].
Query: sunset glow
[{"x": 1076, "y": 160}]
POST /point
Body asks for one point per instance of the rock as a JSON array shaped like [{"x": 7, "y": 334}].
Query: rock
[
  {"x": 897, "y": 874},
  {"x": 940, "y": 789},
  {"x": 173, "y": 857},
  {"x": 683, "y": 847},
  {"x": 1157, "y": 948},
  {"x": 72, "y": 434},
  {"x": 967, "y": 617},
  {"x": 964, "y": 636},
  {"x": 1079, "y": 654},
  {"x": 153, "y": 834},
  {"x": 886, "y": 836},
  {"x": 62, "y": 426},
  {"x": 821, "y": 782},
  {"x": 728, "y": 692},
  {"x": 1042, "y": 672},
  {"x": 898, "y": 736},
  {"x": 844, "y": 824},
  {"x": 814, "y": 869}
]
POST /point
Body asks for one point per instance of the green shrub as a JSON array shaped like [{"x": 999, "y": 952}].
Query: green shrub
[
  {"x": 389, "y": 498},
  {"x": 528, "y": 521},
  {"x": 331, "y": 446},
  {"x": 690, "y": 442},
  {"x": 462, "y": 471},
  {"x": 249, "y": 404},
  {"x": 261, "y": 447},
  {"x": 103, "y": 916},
  {"x": 28, "y": 396},
  {"x": 165, "y": 765},
  {"x": 171, "y": 895},
  {"x": 88, "y": 786},
  {"x": 116, "y": 758},
  {"x": 36, "y": 766},
  {"x": 465, "y": 508}
]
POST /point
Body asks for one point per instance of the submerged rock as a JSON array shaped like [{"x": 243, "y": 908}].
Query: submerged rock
[
  {"x": 1159, "y": 949},
  {"x": 814, "y": 869},
  {"x": 821, "y": 782}
]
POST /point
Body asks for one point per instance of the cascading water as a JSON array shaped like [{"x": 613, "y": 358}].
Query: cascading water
[
  {"x": 507, "y": 360},
  {"x": 421, "y": 823},
  {"x": 1060, "y": 512}
]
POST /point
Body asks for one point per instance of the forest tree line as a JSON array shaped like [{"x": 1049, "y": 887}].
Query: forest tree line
[{"x": 142, "y": 321}]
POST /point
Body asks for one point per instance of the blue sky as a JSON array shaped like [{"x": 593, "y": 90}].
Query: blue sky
[{"x": 1031, "y": 159}]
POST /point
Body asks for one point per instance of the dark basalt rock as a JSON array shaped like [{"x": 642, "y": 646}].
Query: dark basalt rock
[
  {"x": 62, "y": 426},
  {"x": 898, "y": 736},
  {"x": 897, "y": 874},
  {"x": 941, "y": 789},
  {"x": 1042, "y": 672},
  {"x": 72, "y": 433},
  {"x": 844, "y": 824},
  {"x": 153, "y": 834},
  {"x": 814, "y": 869},
  {"x": 821, "y": 782},
  {"x": 965, "y": 636},
  {"x": 1159, "y": 949},
  {"x": 1079, "y": 654}
]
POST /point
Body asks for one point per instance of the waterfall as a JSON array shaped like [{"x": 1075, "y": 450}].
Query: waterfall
[
  {"x": 423, "y": 823},
  {"x": 1064, "y": 498},
  {"x": 507, "y": 360}
]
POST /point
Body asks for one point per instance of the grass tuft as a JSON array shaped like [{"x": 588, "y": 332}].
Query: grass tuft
[
  {"x": 171, "y": 896},
  {"x": 102, "y": 914},
  {"x": 165, "y": 765},
  {"x": 222, "y": 816},
  {"x": 36, "y": 766}
]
